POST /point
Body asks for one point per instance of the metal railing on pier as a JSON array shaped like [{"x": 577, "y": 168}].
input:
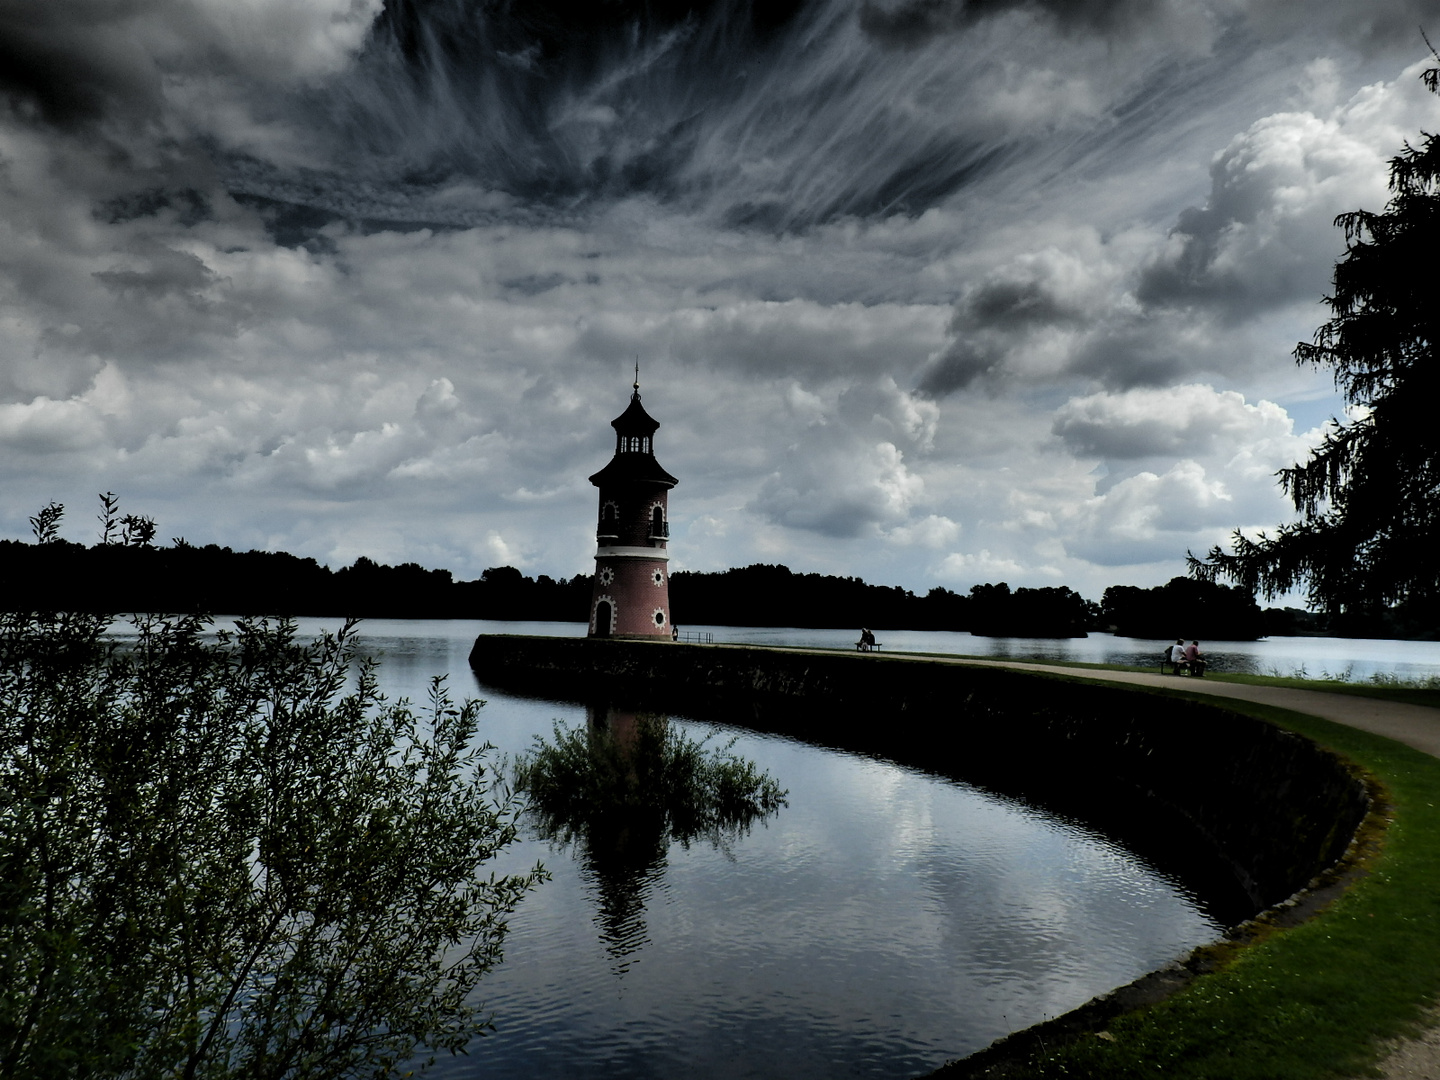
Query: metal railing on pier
[{"x": 696, "y": 637}]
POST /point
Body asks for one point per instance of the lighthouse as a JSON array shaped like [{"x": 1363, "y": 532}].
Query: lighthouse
[{"x": 631, "y": 598}]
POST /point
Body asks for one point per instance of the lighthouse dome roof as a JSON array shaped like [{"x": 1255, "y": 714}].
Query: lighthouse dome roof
[
  {"x": 635, "y": 420},
  {"x": 634, "y": 460}
]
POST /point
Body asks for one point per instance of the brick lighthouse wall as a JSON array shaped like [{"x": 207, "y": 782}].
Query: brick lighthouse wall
[
  {"x": 635, "y": 596},
  {"x": 636, "y": 587}
]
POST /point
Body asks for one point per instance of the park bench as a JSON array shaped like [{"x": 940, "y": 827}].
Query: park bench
[{"x": 1184, "y": 667}]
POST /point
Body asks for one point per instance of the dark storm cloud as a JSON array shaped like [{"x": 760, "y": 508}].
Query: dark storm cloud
[
  {"x": 914, "y": 22},
  {"x": 557, "y": 106},
  {"x": 188, "y": 205},
  {"x": 1137, "y": 351},
  {"x": 1372, "y": 26},
  {"x": 1014, "y": 305},
  {"x": 961, "y": 365},
  {"x": 166, "y": 273},
  {"x": 61, "y": 65},
  {"x": 1046, "y": 291},
  {"x": 760, "y": 117}
]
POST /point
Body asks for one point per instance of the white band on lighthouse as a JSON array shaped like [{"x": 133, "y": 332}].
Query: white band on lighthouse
[{"x": 658, "y": 554}]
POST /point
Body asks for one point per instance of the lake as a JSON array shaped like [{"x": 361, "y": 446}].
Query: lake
[
  {"x": 1352, "y": 659},
  {"x": 883, "y": 922}
]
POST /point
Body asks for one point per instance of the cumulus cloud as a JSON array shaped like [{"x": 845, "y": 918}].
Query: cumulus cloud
[
  {"x": 934, "y": 531},
  {"x": 845, "y": 475},
  {"x": 1200, "y": 464},
  {"x": 1148, "y": 517},
  {"x": 979, "y": 566},
  {"x": 754, "y": 335},
  {"x": 1180, "y": 421},
  {"x": 45, "y": 426},
  {"x": 1260, "y": 239},
  {"x": 840, "y": 498},
  {"x": 1146, "y": 307}
]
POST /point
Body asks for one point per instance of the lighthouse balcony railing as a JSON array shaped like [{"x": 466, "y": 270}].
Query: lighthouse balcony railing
[{"x": 660, "y": 531}]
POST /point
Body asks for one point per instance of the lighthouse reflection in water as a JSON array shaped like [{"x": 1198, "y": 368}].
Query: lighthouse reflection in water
[{"x": 622, "y": 790}]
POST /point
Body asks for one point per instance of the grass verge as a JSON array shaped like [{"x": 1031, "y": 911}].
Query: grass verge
[{"x": 1316, "y": 1001}]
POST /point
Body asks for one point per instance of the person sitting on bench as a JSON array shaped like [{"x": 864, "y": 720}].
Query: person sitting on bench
[
  {"x": 1175, "y": 657},
  {"x": 1193, "y": 660}
]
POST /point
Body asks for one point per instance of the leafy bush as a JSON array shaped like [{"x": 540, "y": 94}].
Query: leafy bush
[{"x": 232, "y": 856}]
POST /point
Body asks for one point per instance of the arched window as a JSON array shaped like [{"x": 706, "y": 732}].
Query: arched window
[
  {"x": 658, "y": 529},
  {"x": 609, "y": 521}
]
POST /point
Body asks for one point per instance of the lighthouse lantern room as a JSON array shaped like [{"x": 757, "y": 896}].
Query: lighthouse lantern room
[{"x": 631, "y": 598}]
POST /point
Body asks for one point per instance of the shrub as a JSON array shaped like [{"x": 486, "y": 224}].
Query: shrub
[{"x": 230, "y": 855}]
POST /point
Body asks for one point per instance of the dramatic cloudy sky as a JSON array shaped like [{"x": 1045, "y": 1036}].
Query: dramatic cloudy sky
[{"x": 927, "y": 291}]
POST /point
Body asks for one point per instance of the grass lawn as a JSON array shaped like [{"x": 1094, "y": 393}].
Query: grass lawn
[{"x": 1317, "y": 1000}]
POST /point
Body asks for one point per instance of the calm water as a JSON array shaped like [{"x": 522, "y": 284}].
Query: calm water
[
  {"x": 884, "y": 922},
  {"x": 1353, "y": 659}
]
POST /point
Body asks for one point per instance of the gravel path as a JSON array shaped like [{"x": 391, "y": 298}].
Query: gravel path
[{"x": 1413, "y": 725}]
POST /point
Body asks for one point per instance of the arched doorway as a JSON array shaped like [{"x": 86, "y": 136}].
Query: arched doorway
[{"x": 604, "y": 618}]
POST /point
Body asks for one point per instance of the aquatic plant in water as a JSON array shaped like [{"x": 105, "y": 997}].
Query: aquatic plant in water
[
  {"x": 622, "y": 789},
  {"x": 650, "y": 772}
]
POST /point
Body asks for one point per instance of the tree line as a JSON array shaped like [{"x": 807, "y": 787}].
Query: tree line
[{"x": 129, "y": 573}]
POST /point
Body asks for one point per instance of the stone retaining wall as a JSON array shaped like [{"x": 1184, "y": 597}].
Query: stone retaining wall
[{"x": 1244, "y": 812}]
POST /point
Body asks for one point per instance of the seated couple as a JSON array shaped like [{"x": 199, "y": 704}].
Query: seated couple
[{"x": 1187, "y": 658}]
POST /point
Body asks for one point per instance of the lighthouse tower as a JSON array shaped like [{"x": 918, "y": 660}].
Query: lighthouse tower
[{"x": 632, "y": 576}]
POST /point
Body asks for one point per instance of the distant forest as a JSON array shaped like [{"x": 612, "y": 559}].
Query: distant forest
[{"x": 60, "y": 575}]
